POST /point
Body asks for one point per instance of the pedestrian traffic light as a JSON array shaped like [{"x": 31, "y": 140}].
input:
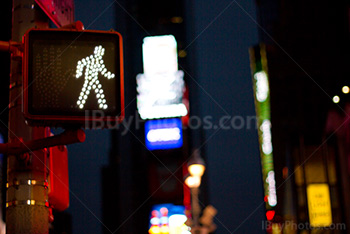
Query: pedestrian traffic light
[{"x": 72, "y": 77}]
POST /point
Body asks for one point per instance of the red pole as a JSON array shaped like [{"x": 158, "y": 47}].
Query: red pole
[{"x": 27, "y": 203}]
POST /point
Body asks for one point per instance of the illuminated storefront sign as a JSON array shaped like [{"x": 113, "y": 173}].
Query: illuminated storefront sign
[
  {"x": 319, "y": 204},
  {"x": 168, "y": 219},
  {"x": 160, "y": 88},
  {"x": 163, "y": 134},
  {"x": 262, "y": 106}
]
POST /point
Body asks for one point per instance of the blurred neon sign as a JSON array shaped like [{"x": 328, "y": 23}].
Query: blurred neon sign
[
  {"x": 260, "y": 80},
  {"x": 168, "y": 219},
  {"x": 262, "y": 86},
  {"x": 163, "y": 134},
  {"x": 160, "y": 88}
]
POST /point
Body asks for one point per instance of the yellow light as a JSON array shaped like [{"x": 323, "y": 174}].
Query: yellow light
[
  {"x": 336, "y": 99},
  {"x": 164, "y": 229},
  {"x": 154, "y": 230},
  {"x": 196, "y": 169},
  {"x": 319, "y": 204},
  {"x": 346, "y": 89}
]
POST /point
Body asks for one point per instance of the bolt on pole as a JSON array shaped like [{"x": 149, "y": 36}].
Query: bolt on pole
[{"x": 26, "y": 202}]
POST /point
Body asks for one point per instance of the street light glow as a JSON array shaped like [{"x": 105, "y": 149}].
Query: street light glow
[
  {"x": 193, "y": 181},
  {"x": 346, "y": 89},
  {"x": 336, "y": 99},
  {"x": 196, "y": 170},
  {"x": 196, "y": 165}
]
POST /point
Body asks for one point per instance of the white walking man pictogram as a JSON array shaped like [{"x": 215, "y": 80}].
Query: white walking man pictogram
[{"x": 94, "y": 65}]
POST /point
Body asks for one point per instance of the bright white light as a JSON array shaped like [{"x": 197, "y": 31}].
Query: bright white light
[
  {"x": 159, "y": 54},
  {"x": 266, "y": 136},
  {"x": 93, "y": 64},
  {"x": 272, "y": 197},
  {"x": 336, "y": 99},
  {"x": 155, "y": 221},
  {"x": 346, "y": 89},
  {"x": 166, "y": 111},
  {"x": 262, "y": 86},
  {"x": 177, "y": 220},
  {"x": 161, "y": 87},
  {"x": 164, "y": 220},
  {"x": 160, "y": 91},
  {"x": 164, "y": 134}
]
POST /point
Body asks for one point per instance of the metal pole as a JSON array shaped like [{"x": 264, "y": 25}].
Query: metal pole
[
  {"x": 196, "y": 210},
  {"x": 27, "y": 208}
]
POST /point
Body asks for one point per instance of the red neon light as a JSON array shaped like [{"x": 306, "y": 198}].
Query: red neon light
[{"x": 270, "y": 214}]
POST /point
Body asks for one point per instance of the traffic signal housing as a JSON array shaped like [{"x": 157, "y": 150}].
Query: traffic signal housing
[{"x": 73, "y": 77}]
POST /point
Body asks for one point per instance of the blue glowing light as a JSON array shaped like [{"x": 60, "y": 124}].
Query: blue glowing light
[{"x": 163, "y": 134}]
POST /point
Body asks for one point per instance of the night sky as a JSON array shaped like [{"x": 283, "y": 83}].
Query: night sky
[{"x": 218, "y": 40}]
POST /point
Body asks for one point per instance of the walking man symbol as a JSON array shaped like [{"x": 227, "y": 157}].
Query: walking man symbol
[{"x": 94, "y": 65}]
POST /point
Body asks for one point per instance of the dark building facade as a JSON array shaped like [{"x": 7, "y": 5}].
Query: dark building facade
[{"x": 308, "y": 52}]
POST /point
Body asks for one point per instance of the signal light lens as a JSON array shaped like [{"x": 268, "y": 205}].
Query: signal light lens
[{"x": 69, "y": 76}]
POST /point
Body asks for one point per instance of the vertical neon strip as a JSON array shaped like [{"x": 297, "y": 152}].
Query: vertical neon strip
[{"x": 262, "y": 105}]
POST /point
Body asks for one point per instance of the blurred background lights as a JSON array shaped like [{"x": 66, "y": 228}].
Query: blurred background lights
[
  {"x": 262, "y": 86},
  {"x": 336, "y": 99},
  {"x": 160, "y": 88},
  {"x": 346, "y": 89}
]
